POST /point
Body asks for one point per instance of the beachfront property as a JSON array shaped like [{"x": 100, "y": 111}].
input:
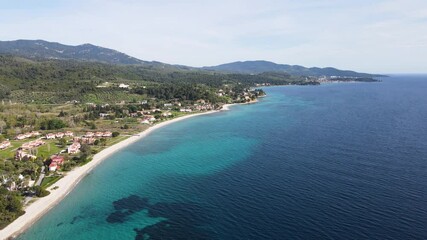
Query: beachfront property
[
  {"x": 185, "y": 110},
  {"x": 56, "y": 162},
  {"x": 21, "y": 155},
  {"x": 166, "y": 114},
  {"x": 107, "y": 134},
  {"x": 98, "y": 134},
  {"x": 74, "y": 148},
  {"x": 147, "y": 119},
  {"x": 204, "y": 107},
  {"x": 4, "y": 145},
  {"x": 144, "y": 121}
]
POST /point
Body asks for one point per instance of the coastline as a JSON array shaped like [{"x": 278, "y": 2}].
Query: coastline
[{"x": 65, "y": 185}]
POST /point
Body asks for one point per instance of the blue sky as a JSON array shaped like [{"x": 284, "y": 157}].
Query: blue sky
[{"x": 372, "y": 36}]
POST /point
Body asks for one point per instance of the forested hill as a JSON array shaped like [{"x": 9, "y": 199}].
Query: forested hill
[
  {"x": 56, "y": 81},
  {"x": 35, "y": 49},
  {"x": 40, "y": 49},
  {"x": 255, "y": 67}
]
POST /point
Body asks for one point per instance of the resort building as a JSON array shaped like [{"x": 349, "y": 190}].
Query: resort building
[
  {"x": 122, "y": 85},
  {"x": 4, "y": 145},
  {"x": 50, "y": 136},
  {"x": 56, "y": 162},
  {"x": 21, "y": 155},
  {"x": 107, "y": 134},
  {"x": 27, "y": 135},
  {"x": 166, "y": 114},
  {"x": 74, "y": 148},
  {"x": 20, "y": 137},
  {"x": 99, "y": 134},
  {"x": 89, "y": 134},
  {"x": 33, "y": 144},
  {"x": 35, "y": 134},
  {"x": 53, "y": 167},
  {"x": 147, "y": 119},
  {"x": 69, "y": 134},
  {"x": 88, "y": 140},
  {"x": 59, "y": 135}
]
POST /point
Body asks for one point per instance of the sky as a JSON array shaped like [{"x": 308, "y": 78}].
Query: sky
[{"x": 376, "y": 36}]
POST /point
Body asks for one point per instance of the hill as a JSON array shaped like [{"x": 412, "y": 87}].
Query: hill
[
  {"x": 39, "y": 49},
  {"x": 256, "y": 67},
  {"x": 55, "y": 81}
]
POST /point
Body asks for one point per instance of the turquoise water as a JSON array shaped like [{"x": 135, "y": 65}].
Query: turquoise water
[{"x": 340, "y": 161}]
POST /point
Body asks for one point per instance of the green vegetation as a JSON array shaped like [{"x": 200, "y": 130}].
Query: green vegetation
[
  {"x": 10, "y": 206},
  {"x": 51, "y": 147},
  {"x": 58, "y": 81},
  {"x": 52, "y": 124},
  {"x": 40, "y": 191},
  {"x": 48, "y": 181}
]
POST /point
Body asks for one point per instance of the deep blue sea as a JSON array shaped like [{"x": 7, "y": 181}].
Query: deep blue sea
[{"x": 336, "y": 161}]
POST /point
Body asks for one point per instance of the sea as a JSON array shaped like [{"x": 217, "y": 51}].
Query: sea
[{"x": 335, "y": 161}]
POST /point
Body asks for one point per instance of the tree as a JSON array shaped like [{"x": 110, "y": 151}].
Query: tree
[
  {"x": 62, "y": 142},
  {"x": 85, "y": 151},
  {"x": 116, "y": 134},
  {"x": 2, "y": 125},
  {"x": 103, "y": 141},
  {"x": 52, "y": 124},
  {"x": 40, "y": 192},
  {"x": 92, "y": 126},
  {"x": 10, "y": 206}
]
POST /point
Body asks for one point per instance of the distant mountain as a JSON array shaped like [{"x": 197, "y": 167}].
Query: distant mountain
[
  {"x": 39, "y": 49},
  {"x": 256, "y": 67}
]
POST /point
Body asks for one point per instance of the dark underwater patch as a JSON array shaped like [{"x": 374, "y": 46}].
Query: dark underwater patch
[
  {"x": 126, "y": 207},
  {"x": 76, "y": 218},
  {"x": 184, "y": 220}
]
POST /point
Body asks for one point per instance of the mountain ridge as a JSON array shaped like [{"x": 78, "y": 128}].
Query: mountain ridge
[
  {"x": 34, "y": 49},
  {"x": 41, "y": 49},
  {"x": 260, "y": 66}
]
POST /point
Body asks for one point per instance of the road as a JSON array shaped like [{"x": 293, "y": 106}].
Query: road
[{"x": 42, "y": 174}]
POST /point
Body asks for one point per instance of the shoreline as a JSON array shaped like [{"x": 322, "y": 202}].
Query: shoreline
[{"x": 36, "y": 210}]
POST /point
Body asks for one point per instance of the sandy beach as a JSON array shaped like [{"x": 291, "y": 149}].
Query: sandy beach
[{"x": 37, "y": 209}]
